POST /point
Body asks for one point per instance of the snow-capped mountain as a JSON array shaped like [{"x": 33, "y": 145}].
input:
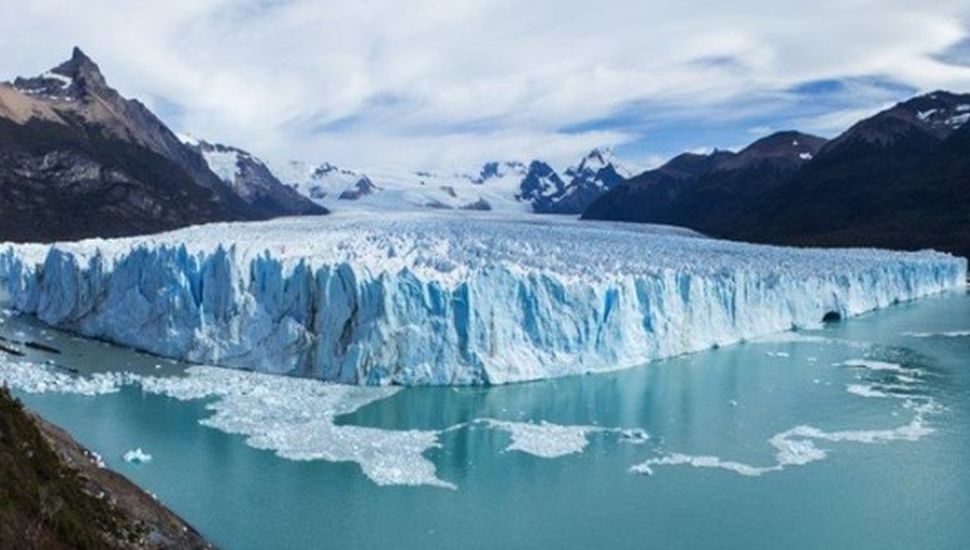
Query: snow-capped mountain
[
  {"x": 498, "y": 170},
  {"x": 541, "y": 186},
  {"x": 80, "y": 160},
  {"x": 597, "y": 173},
  {"x": 507, "y": 186},
  {"x": 492, "y": 188},
  {"x": 315, "y": 181},
  {"x": 250, "y": 178}
]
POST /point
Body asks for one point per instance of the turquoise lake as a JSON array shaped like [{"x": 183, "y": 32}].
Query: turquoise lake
[{"x": 852, "y": 436}]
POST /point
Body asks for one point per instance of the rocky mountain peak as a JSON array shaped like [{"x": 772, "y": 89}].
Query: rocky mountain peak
[
  {"x": 925, "y": 119},
  {"x": 495, "y": 169},
  {"x": 600, "y": 158},
  {"x": 69, "y": 81},
  {"x": 786, "y": 146},
  {"x": 78, "y": 66}
]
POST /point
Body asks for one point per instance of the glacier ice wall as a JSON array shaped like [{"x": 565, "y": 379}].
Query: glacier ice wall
[{"x": 439, "y": 299}]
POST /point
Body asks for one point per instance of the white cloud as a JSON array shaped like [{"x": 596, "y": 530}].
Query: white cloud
[{"x": 365, "y": 82}]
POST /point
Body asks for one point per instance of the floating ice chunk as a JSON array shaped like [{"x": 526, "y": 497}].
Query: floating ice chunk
[
  {"x": 876, "y": 365},
  {"x": 291, "y": 416},
  {"x": 137, "y": 456},
  {"x": 949, "y": 334},
  {"x": 32, "y": 377},
  {"x": 677, "y": 459},
  {"x": 295, "y": 418},
  {"x": 547, "y": 440},
  {"x": 866, "y": 390},
  {"x": 777, "y": 354},
  {"x": 797, "y": 446},
  {"x": 794, "y": 447},
  {"x": 544, "y": 439}
]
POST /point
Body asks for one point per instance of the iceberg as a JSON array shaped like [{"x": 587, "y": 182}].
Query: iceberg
[
  {"x": 441, "y": 299},
  {"x": 137, "y": 456}
]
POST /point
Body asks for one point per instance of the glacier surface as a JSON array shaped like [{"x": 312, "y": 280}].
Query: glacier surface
[{"x": 436, "y": 298}]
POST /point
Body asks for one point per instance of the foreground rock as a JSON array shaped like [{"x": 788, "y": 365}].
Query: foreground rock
[{"x": 53, "y": 494}]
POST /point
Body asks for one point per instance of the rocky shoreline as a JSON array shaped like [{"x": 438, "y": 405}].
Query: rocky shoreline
[{"x": 54, "y": 493}]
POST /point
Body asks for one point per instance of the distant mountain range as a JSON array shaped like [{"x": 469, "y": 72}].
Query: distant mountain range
[
  {"x": 899, "y": 179},
  {"x": 498, "y": 185},
  {"x": 706, "y": 191},
  {"x": 79, "y": 160}
]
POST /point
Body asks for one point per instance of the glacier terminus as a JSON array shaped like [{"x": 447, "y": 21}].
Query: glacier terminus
[{"x": 437, "y": 298}]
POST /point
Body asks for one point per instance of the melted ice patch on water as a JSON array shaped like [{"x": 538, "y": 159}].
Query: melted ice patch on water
[
  {"x": 31, "y": 377},
  {"x": 293, "y": 417},
  {"x": 544, "y": 439},
  {"x": 797, "y": 446},
  {"x": 547, "y": 440}
]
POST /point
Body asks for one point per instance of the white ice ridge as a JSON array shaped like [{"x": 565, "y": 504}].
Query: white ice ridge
[
  {"x": 871, "y": 364},
  {"x": 547, "y": 440},
  {"x": 436, "y": 298},
  {"x": 947, "y": 334}
]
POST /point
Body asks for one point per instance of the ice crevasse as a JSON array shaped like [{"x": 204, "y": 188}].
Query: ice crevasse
[{"x": 445, "y": 299}]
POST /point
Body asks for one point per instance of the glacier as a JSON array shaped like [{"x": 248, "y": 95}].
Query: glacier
[{"x": 416, "y": 298}]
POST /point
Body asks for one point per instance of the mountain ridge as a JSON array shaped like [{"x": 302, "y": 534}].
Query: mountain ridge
[
  {"x": 897, "y": 179},
  {"x": 78, "y": 160}
]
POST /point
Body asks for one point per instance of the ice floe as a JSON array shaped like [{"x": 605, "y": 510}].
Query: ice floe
[
  {"x": 293, "y": 417},
  {"x": 798, "y": 446},
  {"x": 548, "y": 440},
  {"x": 33, "y": 377},
  {"x": 137, "y": 456}
]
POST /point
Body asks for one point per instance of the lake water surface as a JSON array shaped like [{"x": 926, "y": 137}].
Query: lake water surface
[{"x": 852, "y": 436}]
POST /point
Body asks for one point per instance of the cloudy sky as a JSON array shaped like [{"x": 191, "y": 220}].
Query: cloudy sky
[{"x": 450, "y": 84}]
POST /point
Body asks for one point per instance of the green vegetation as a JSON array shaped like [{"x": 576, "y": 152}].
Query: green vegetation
[{"x": 43, "y": 501}]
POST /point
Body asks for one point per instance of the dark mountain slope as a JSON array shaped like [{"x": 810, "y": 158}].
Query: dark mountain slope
[
  {"x": 252, "y": 181},
  {"x": 707, "y": 192},
  {"x": 645, "y": 198},
  {"x": 78, "y": 160},
  {"x": 900, "y": 179}
]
